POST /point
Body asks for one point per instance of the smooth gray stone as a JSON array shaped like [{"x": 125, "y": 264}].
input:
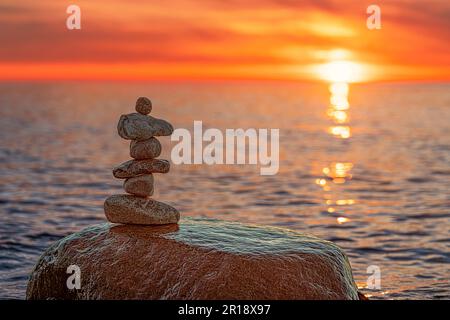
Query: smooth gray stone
[
  {"x": 145, "y": 149},
  {"x": 136, "y": 126},
  {"x": 141, "y": 186}
]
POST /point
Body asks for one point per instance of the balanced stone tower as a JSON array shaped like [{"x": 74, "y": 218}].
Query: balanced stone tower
[{"x": 137, "y": 207}]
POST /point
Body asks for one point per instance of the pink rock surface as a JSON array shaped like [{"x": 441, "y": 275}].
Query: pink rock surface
[{"x": 197, "y": 259}]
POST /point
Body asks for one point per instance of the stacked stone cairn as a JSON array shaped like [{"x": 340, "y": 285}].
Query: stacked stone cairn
[{"x": 137, "y": 207}]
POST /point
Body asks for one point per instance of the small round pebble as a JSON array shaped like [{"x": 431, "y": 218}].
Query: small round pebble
[
  {"x": 143, "y": 105},
  {"x": 145, "y": 149}
]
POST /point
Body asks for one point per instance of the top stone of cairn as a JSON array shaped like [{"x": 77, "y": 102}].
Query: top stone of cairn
[{"x": 143, "y": 105}]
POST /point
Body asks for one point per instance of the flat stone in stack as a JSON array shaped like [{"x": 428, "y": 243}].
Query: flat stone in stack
[
  {"x": 136, "y": 126},
  {"x": 136, "y": 207},
  {"x": 129, "y": 209},
  {"x": 134, "y": 168}
]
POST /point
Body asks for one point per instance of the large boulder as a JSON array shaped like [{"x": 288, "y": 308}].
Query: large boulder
[{"x": 198, "y": 259}]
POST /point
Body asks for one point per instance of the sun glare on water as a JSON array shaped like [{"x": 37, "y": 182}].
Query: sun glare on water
[{"x": 339, "y": 72}]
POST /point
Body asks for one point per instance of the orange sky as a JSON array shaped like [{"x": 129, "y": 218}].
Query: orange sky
[{"x": 212, "y": 39}]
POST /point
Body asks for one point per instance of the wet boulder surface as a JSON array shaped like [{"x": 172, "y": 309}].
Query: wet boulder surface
[{"x": 195, "y": 259}]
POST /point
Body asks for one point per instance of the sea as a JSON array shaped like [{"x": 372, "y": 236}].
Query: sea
[{"x": 366, "y": 166}]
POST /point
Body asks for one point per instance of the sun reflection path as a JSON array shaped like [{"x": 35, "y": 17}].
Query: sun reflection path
[
  {"x": 338, "y": 110},
  {"x": 337, "y": 173}
]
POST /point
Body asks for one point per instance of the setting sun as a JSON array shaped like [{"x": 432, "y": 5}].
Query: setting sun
[{"x": 342, "y": 71}]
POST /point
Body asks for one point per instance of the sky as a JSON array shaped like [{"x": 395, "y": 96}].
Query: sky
[{"x": 213, "y": 39}]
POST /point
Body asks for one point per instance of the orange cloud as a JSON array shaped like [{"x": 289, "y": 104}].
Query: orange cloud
[{"x": 187, "y": 39}]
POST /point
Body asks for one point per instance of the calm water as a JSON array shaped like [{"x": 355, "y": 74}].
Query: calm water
[{"x": 374, "y": 176}]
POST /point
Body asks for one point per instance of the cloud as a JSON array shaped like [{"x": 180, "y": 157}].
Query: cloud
[{"x": 265, "y": 33}]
